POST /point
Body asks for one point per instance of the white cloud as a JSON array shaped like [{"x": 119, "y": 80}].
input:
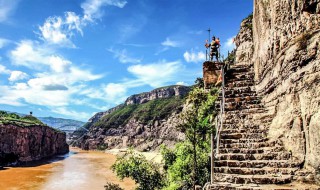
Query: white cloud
[
  {"x": 59, "y": 30},
  {"x": 4, "y": 70},
  {"x": 17, "y": 75},
  {"x": 182, "y": 83},
  {"x": 71, "y": 113},
  {"x": 170, "y": 43},
  {"x": 115, "y": 92},
  {"x": 58, "y": 64},
  {"x": 20, "y": 86},
  {"x": 123, "y": 56},
  {"x": 156, "y": 74},
  {"x": 56, "y": 82},
  {"x": 192, "y": 56},
  {"x": 3, "y": 42},
  {"x": 229, "y": 43},
  {"x": 92, "y": 8},
  {"x": 29, "y": 54},
  {"x": 6, "y": 8}
]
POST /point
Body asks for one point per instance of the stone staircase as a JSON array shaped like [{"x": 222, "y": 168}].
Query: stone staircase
[{"x": 247, "y": 158}]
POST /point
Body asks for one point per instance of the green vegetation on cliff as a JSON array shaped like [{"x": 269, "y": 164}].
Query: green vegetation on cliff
[
  {"x": 145, "y": 113},
  {"x": 14, "y": 119},
  {"x": 188, "y": 163}
]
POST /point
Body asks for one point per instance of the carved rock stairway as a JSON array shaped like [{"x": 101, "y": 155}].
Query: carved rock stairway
[{"x": 246, "y": 155}]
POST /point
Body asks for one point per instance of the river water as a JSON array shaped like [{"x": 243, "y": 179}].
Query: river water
[{"x": 81, "y": 170}]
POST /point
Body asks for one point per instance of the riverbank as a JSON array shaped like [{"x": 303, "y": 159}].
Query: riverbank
[
  {"x": 79, "y": 170},
  {"x": 151, "y": 156}
]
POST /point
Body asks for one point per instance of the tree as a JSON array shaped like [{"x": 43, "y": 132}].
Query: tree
[
  {"x": 199, "y": 82},
  {"x": 146, "y": 174},
  {"x": 195, "y": 123}
]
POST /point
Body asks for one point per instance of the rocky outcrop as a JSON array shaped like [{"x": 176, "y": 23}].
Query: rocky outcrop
[
  {"x": 286, "y": 60},
  {"x": 130, "y": 131},
  {"x": 271, "y": 125},
  {"x": 163, "y": 92},
  {"x": 20, "y": 144},
  {"x": 134, "y": 134}
]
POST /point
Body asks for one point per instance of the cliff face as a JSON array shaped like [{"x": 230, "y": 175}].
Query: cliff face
[
  {"x": 24, "y": 144},
  {"x": 164, "y": 92},
  {"x": 143, "y": 121},
  {"x": 286, "y": 61},
  {"x": 270, "y": 132}
]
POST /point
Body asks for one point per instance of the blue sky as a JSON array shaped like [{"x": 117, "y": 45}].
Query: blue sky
[{"x": 73, "y": 58}]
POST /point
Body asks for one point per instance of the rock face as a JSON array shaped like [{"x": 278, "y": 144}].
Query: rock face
[
  {"x": 130, "y": 131},
  {"x": 286, "y": 36},
  {"x": 164, "y": 92},
  {"x": 24, "y": 144},
  {"x": 271, "y": 125}
]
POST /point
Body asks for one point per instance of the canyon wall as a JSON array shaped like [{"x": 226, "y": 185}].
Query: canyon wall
[
  {"x": 20, "y": 144},
  {"x": 286, "y": 58},
  {"x": 143, "y": 121}
]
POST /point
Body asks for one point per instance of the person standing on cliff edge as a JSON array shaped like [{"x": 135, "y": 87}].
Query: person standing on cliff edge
[{"x": 214, "y": 46}]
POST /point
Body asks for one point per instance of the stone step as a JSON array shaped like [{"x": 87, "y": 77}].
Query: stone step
[
  {"x": 241, "y": 106},
  {"x": 256, "y": 179},
  {"x": 255, "y": 171},
  {"x": 239, "y": 84},
  {"x": 244, "y": 88},
  {"x": 242, "y": 135},
  {"x": 251, "y": 186},
  {"x": 239, "y": 123},
  {"x": 237, "y": 97},
  {"x": 240, "y": 69},
  {"x": 256, "y": 163},
  {"x": 250, "y": 144},
  {"x": 240, "y": 75},
  {"x": 246, "y": 111},
  {"x": 251, "y": 122},
  {"x": 263, "y": 156},
  {"x": 242, "y": 130},
  {"x": 243, "y": 141},
  {"x": 248, "y": 81},
  {"x": 252, "y": 151}
]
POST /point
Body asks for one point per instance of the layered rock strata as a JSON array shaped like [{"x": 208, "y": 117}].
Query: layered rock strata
[
  {"x": 24, "y": 144},
  {"x": 135, "y": 133},
  {"x": 271, "y": 133}
]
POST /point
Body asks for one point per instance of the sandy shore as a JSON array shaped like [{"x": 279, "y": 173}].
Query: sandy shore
[{"x": 151, "y": 156}]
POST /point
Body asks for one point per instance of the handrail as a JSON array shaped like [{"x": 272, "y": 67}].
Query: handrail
[{"x": 219, "y": 124}]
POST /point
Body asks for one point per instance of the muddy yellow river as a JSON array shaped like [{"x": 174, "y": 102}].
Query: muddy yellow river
[{"x": 81, "y": 170}]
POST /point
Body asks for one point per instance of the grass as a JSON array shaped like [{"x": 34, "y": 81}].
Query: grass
[
  {"x": 248, "y": 22},
  {"x": 25, "y": 121},
  {"x": 144, "y": 113},
  {"x": 21, "y": 121}
]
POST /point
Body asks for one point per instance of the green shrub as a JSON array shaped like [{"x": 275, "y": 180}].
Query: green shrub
[
  {"x": 112, "y": 186},
  {"x": 145, "y": 113},
  {"x": 146, "y": 174}
]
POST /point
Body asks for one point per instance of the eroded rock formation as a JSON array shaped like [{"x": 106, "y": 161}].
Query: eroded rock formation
[
  {"x": 129, "y": 131},
  {"x": 271, "y": 130},
  {"x": 20, "y": 144},
  {"x": 286, "y": 57}
]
